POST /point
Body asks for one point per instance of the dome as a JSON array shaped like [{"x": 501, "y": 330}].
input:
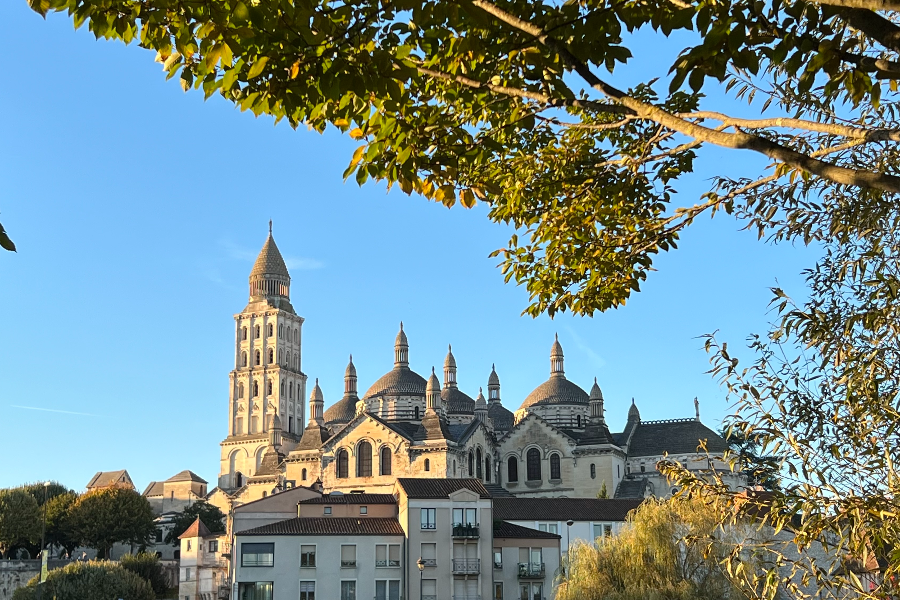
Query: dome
[
  {"x": 316, "y": 394},
  {"x": 400, "y": 381},
  {"x": 450, "y": 361},
  {"x": 342, "y": 411},
  {"x": 493, "y": 378},
  {"x": 596, "y": 394},
  {"x": 556, "y": 390},
  {"x": 269, "y": 261},
  {"x": 633, "y": 412},
  {"x": 457, "y": 402},
  {"x": 556, "y": 349},
  {"x": 480, "y": 402},
  {"x": 433, "y": 384}
]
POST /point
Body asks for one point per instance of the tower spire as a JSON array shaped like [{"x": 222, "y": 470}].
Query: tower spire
[
  {"x": 270, "y": 227},
  {"x": 556, "y": 359},
  {"x": 269, "y": 279},
  {"x": 450, "y": 368},
  {"x": 401, "y": 350}
]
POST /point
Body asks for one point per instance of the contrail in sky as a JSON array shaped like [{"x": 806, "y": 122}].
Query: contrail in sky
[{"x": 65, "y": 412}]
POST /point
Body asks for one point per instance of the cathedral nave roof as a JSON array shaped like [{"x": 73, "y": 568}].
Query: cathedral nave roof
[
  {"x": 675, "y": 436},
  {"x": 457, "y": 402}
]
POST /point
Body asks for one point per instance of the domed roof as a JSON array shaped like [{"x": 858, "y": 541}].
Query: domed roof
[
  {"x": 401, "y": 337},
  {"x": 480, "y": 401},
  {"x": 400, "y": 381},
  {"x": 269, "y": 261},
  {"x": 341, "y": 411},
  {"x": 501, "y": 417},
  {"x": 556, "y": 390},
  {"x": 450, "y": 361},
  {"x": 493, "y": 378},
  {"x": 317, "y": 392},
  {"x": 351, "y": 369},
  {"x": 456, "y": 402},
  {"x": 433, "y": 384},
  {"x": 596, "y": 393}
]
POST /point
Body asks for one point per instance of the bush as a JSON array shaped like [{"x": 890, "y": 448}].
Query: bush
[
  {"x": 93, "y": 580},
  {"x": 147, "y": 567}
]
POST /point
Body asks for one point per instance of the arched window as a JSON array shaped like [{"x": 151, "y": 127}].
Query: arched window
[
  {"x": 258, "y": 358},
  {"x": 282, "y": 388},
  {"x": 255, "y": 389},
  {"x": 287, "y": 360},
  {"x": 579, "y": 420},
  {"x": 254, "y": 424},
  {"x": 512, "y": 469},
  {"x": 478, "y": 472},
  {"x": 271, "y": 330},
  {"x": 297, "y": 361},
  {"x": 471, "y": 472},
  {"x": 243, "y": 333},
  {"x": 364, "y": 459},
  {"x": 342, "y": 464},
  {"x": 271, "y": 356},
  {"x": 593, "y": 471},
  {"x": 303, "y": 474},
  {"x": 533, "y": 465},
  {"x": 241, "y": 390},
  {"x": 243, "y": 359},
  {"x": 487, "y": 468},
  {"x": 416, "y": 412},
  {"x": 290, "y": 390},
  {"x": 555, "y": 471},
  {"x": 256, "y": 332},
  {"x": 269, "y": 388},
  {"x": 454, "y": 468},
  {"x": 427, "y": 464},
  {"x": 385, "y": 462},
  {"x": 281, "y": 332}
]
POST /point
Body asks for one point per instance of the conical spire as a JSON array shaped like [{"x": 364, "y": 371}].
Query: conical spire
[
  {"x": 633, "y": 413},
  {"x": 450, "y": 369},
  {"x": 401, "y": 350},
  {"x": 275, "y": 431},
  {"x": 316, "y": 406},
  {"x": 595, "y": 403},
  {"x": 494, "y": 385},
  {"x": 433, "y": 392},
  {"x": 269, "y": 277},
  {"x": 481, "y": 407},
  {"x": 556, "y": 359},
  {"x": 350, "y": 379}
]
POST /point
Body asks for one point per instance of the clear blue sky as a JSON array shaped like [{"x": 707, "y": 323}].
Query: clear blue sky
[{"x": 138, "y": 211}]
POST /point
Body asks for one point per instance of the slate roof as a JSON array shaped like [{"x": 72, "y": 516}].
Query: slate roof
[
  {"x": 401, "y": 381},
  {"x": 433, "y": 427},
  {"x": 498, "y": 491},
  {"x": 269, "y": 260},
  {"x": 313, "y": 437},
  {"x": 632, "y": 488},
  {"x": 197, "y": 529},
  {"x": 107, "y": 478},
  {"x": 457, "y": 402},
  {"x": 675, "y": 436},
  {"x": 563, "y": 509},
  {"x": 186, "y": 476},
  {"x": 592, "y": 435},
  {"x": 425, "y": 489},
  {"x": 556, "y": 390},
  {"x": 352, "y": 499},
  {"x": 502, "y": 529},
  {"x": 342, "y": 411},
  {"x": 154, "y": 489},
  {"x": 502, "y": 417},
  {"x": 329, "y": 526},
  {"x": 458, "y": 430}
]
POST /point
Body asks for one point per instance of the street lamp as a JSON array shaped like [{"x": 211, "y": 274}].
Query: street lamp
[
  {"x": 43, "y": 531},
  {"x": 569, "y": 524},
  {"x": 421, "y": 564}
]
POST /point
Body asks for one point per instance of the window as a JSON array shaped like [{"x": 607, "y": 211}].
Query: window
[
  {"x": 579, "y": 421},
  {"x": 498, "y": 590},
  {"x": 498, "y": 558},
  {"x": 363, "y": 510},
  {"x": 555, "y": 471},
  {"x": 296, "y": 335},
  {"x": 593, "y": 471},
  {"x": 428, "y": 518},
  {"x": 387, "y": 555},
  {"x": 342, "y": 465},
  {"x": 307, "y": 590},
  {"x": 533, "y": 465},
  {"x": 255, "y": 389},
  {"x": 240, "y": 390},
  {"x": 348, "y": 555},
  {"x": 308, "y": 556},
  {"x": 531, "y": 591},
  {"x": 291, "y": 426},
  {"x": 385, "y": 462},
  {"x": 416, "y": 413},
  {"x": 187, "y": 574},
  {"x": 243, "y": 333},
  {"x": 281, "y": 331},
  {"x": 642, "y": 468},
  {"x": 478, "y": 472},
  {"x": 290, "y": 390},
  {"x": 261, "y": 590},
  {"x": 464, "y": 516},
  {"x": 271, "y": 330},
  {"x": 427, "y": 464},
  {"x": 549, "y": 527},
  {"x": 454, "y": 468},
  {"x": 428, "y": 553},
  {"x": 602, "y": 530},
  {"x": 471, "y": 464},
  {"x": 388, "y": 589},
  {"x": 512, "y": 469},
  {"x": 213, "y": 545},
  {"x": 269, "y": 387},
  {"x": 429, "y": 589},
  {"x": 271, "y": 356},
  {"x": 303, "y": 474},
  {"x": 327, "y": 510},
  {"x": 364, "y": 459},
  {"x": 348, "y": 590},
  {"x": 256, "y": 331},
  {"x": 189, "y": 545},
  {"x": 257, "y": 555},
  {"x": 159, "y": 536},
  {"x": 243, "y": 359},
  {"x": 258, "y": 358},
  {"x": 487, "y": 468}
]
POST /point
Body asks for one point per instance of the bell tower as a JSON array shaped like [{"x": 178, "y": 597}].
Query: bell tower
[{"x": 267, "y": 379}]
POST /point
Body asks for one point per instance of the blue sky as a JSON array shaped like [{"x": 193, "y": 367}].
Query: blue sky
[{"x": 138, "y": 211}]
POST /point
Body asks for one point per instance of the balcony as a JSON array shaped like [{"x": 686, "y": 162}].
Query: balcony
[
  {"x": 348, "y": 564},
  {"x": 531, "y": 570},
  {"x": 429, "y": 562},
  {"x": 387, "y": 563},
  {"x": 429, "y": 597},
  {"x": 498, "y": 565},
  {"x": 466, "y": 597},
  {"x": 461, "y": 531},
  {"x": 466, "y": 566}
]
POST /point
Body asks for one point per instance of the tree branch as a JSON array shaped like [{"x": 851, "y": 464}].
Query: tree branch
[
  {"x": 860, "y": 133},
  {"x": 875, "y": 26},
  {"x": 736, "y": 140}
]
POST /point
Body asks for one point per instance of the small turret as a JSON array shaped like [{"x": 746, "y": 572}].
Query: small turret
[
  {"x": 401, "y": 350},
  {"x": 493, "y": 386},
  {"x": 557, "y": 359},
  {"x": 450, "y": 369},
  {"x": 481, "y": 408},
  {"x": 316, "y": 406},
  {"x": 350, "y": 379},
  {"x": 633, "y": 413},
  {"x": 433, "y": 393},
  {"x": 595, "y": 403},
  {"x": 275, "y": 431}
]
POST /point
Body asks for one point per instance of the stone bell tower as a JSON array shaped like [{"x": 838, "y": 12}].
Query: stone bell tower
[{"x": 266, "y": 380}]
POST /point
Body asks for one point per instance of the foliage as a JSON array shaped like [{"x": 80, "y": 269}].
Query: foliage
[
  {"x": 44, "y": 492},
  {"x": 59, "y": 528},
  {"x": 822, "y": 394},
  {"x": 212, "y": 517},
  {"x": 20, "y": 519},
  {"x": 147, "y": 566},
  {"x": 760, "y": 470},
  {"x": 667, "y": 550},
  {"x": 5, "y": 242},
  {"x": 467, "y": 100},
  {"x": 102, "y": 517},
  {"x": 88, "y": 581},
  {"x": 603, "y": 493}
]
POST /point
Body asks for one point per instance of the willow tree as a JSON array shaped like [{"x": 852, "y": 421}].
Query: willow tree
[{"x": 515, "y": 104}]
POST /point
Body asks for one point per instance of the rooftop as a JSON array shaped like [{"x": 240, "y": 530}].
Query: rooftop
[
  {"x": 329, "y": 526},
  {"x": 425, "y": 489},
  {"x": 352, "y": 499},
  {"x": 502, "y": 529},
  {"x": 563, "y": 509}
]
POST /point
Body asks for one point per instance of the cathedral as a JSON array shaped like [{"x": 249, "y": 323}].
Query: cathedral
[{"x": 557, "y": 443}]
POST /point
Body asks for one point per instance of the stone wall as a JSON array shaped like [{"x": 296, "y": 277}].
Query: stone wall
[{"x": 16, "y": 573}]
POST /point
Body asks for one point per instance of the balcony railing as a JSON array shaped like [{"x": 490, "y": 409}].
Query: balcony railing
[
  {"x": 429, "y": 597},
  {"x": 387, "y": 563},
  {"x": 498, "y": 565},
  {"x": 465, "y": 531},
  {"x": 429, "y": 562},
  {"x": 348, "y": 563},
  {"x": 466, "y": 566},
  {"x": 531, "y": 570},
  {"x": 466, "y": 597}
]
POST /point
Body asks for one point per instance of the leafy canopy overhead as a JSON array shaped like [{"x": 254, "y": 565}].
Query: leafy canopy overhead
[{"x": 506, "y": 103}]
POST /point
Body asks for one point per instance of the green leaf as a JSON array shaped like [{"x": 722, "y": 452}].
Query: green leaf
[
  {"x": 5, "y": 242},
  {"x": 257, "y": 67}
]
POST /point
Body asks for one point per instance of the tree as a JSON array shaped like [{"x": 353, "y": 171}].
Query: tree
[
  {"x": 59, "y": 527},
  {"x": 88, "y": 581},
  {"x": 5, "y": 242},
  {"x": 147, "y": 567},
  {"x": 212, "y": 517},
  {"x": 20, "y": 519},
  {"x": 667, "y": 550},
  {"x": 471, "y": 100},
  {"x": 102, "y": 517},
  {"x": 603, "y": 493},
  {"x": 761, "y": 470}
]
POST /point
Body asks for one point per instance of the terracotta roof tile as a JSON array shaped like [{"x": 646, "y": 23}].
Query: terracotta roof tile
[
  {"x": 197, "y": 529},
  {"x": 352, "y": 499}
]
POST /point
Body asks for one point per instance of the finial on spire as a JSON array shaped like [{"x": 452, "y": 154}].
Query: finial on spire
[
  {"x": 270, "y": 226},
  {"x": 555, "y": 335},
  {"x": 697, "y": 407}
]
